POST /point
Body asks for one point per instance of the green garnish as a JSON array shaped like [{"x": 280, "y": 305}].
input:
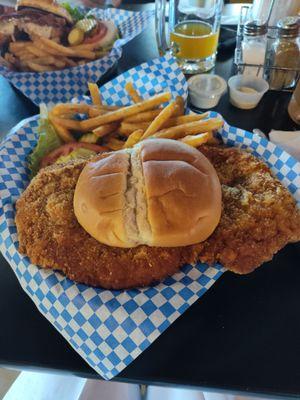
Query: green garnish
[
  {"x": 48, "y": 140},
  {"x": 73, "y": 11}
]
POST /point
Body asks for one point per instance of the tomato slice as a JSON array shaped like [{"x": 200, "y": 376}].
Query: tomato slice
[
  {"x": 66, "y": 149},
  {"x": 99, "y": 34}
]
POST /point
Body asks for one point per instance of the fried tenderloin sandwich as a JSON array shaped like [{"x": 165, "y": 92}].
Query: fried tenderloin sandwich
[
  {"x": 132, "y": 217},
  {"x": 124, "y": 219}
]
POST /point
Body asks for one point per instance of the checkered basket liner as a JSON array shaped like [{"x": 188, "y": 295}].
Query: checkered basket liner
[
  {"x": 61, "y": 86},
  {"x": 109, "y": 329}
]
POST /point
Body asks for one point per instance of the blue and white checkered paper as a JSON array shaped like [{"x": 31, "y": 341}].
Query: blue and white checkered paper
[
  {"x": 60, "y": 86},
  {"x": 109, "y": 329}
]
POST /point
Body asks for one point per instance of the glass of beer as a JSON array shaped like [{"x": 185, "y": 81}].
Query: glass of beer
[{"x": 191, "y": 34}]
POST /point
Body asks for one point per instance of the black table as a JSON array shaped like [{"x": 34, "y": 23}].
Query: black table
[{"x": 242, "y": 336}]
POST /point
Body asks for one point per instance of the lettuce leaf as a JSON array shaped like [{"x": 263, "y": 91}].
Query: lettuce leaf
[
  {"x": 48, "y": 140},
  {"x": 73, "y": 11}
]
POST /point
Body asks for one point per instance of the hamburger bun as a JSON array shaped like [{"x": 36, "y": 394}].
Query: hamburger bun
[
  {"x": 159, "y": 193},
  {"x": 50, "y": 6}
]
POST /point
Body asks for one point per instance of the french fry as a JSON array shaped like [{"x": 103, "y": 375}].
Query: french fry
[
  {"x": 68, "y": 61},
  {"x": 25, "y": 56},
  {"x": 183, "y": 119},
  {"x": 180, "y": 103},
  {"x": 106, "y": 129},
  {"x": 195, "y": 140},
  {"x": 130, "y": 123},
  {"x": 81, "y": 108},
  {"x": 15, "y": 46},
  {"x": 95, "y": 111},
  {"x": 59, "y": 63},
  {"x": 100, "y": 110},
  {"x": 126, "y": 128},
  {"x": 10, "y": 58},
  {"x": 56, "y": 39},
  {"x": 17, "y": 51},
  {"x": 70, "y": 108},
  {"x": 132, "y": 92},
  {"x": 66, "y": 51},
  {"x": 146, "y": 116},
  {"x": 191, "y": 128},
  {"x": 63, "y": 132},
  {"x": 48, "y": 60},
  {"x": 71, "y": 124},
  {"x": 161, "y": 119},
  {"x": 110, "y": 108},
  {"x": 114, "y": 144},
  {"x": 57, "y": 50},
  {"x": 133, "y": 138},
  {"x": 49, "y": 50},
  {"x": 95, "y": 94},
  {"x": 36, "y": 51},
  {"x": 37, "y": 67},
  {"x": 124, "y": 112},
  {"x": 83, "y": 54}
]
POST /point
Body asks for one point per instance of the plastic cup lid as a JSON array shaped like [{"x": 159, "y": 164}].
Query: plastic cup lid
[{"x": 207, "y": 85}]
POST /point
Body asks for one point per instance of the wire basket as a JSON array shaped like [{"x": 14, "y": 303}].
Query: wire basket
[{"x": 266, "y": 67}]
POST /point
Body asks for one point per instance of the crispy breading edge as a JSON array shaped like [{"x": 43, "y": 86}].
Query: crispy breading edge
[{"x": 255, "y": 224}]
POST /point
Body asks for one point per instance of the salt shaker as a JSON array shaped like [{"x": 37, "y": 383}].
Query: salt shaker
[
  {"x": 254, "y": 47},
  {"x": 285, "y": 52}
]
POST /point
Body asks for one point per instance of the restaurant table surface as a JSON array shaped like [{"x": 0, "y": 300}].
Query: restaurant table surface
[{"x": 242, "y": 336}]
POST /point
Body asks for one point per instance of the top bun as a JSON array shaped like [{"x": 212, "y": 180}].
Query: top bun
[
  {"x": 159, "y": 193},
  {"x": 50, "y": 6}
]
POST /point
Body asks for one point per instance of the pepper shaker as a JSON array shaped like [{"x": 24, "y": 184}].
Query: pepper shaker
[{"x": 285, "y": 52}]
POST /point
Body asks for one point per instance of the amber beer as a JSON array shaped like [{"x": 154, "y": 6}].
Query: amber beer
[
  {"x": 190, "y": 32},
  {"x": 193, "y": 40}
]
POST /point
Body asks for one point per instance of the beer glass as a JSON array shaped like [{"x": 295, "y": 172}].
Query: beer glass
[{"x": 192, "y": 32}]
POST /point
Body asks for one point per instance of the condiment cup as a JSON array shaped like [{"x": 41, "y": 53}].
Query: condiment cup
[
  {"x": 205, "y": 90},
  {"x": 246, "y": 99}
]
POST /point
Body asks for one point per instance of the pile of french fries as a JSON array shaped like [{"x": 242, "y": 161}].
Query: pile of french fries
[
  {"x": 122, "y": 127},
  {"x": 41, "y": 54}
]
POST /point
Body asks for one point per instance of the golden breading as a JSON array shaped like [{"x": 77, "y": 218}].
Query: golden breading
[
  {"x": 259, "y": 217},
  {"x": 52, "y": 238}
]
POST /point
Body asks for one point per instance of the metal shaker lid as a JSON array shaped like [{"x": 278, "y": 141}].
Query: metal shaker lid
[
  {"x": 288, "y": 27},
  {"x": 255, "y": 28}
]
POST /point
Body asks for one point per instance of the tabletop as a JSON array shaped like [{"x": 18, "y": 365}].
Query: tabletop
[{"x": 242, "y": 336}]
